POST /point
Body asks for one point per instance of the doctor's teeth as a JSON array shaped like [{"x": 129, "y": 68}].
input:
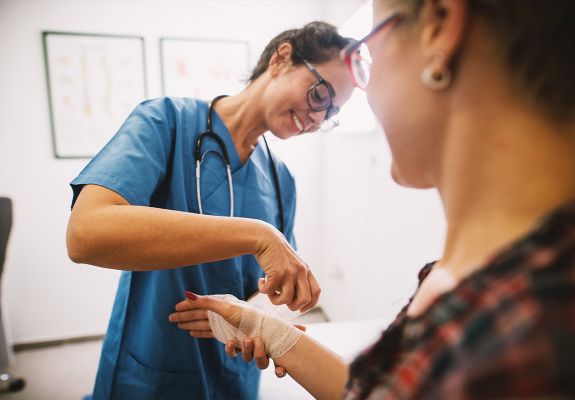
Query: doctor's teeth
[{"x": 297, "y": 122}]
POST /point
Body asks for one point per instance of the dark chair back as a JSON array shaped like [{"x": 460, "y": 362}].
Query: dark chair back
[{"x": 5, "y": 227}]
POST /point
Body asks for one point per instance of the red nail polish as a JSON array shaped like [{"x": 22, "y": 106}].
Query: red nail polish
[{"x": 191, "y": 296}]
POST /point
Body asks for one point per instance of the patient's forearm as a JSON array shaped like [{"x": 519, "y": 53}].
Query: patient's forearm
[{"x": 318, "y": 369}]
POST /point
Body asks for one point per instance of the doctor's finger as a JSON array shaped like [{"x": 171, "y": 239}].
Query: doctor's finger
[
  {"x": 269, "y": 286},
  {"x": 303, "y": 294},
  {"x": 285, "y": 296},
  {"x": 315, "y": 292},
  {"x": 262, "y": 359}
]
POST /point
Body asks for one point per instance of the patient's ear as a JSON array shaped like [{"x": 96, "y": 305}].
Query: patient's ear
[{"x": 444, "y": 26}]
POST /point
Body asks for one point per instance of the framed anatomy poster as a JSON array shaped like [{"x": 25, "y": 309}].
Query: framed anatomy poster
[
  {"x": 201, "y": 68},
  {"x": 94, "y": 82}
]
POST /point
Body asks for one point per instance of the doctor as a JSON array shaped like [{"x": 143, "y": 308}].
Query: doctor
[{"x": 156, "y": 202}]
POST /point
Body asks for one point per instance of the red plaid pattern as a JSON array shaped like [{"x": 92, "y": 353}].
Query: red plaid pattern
[{"x": 505, "y": 332}]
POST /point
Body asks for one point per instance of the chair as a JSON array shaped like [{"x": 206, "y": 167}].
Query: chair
[{"x": 7, "y": 382}]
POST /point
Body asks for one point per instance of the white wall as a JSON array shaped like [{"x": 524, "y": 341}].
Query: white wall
[
  {"x": 45, "y": 296},
  {"x": 377, "y": 235}
]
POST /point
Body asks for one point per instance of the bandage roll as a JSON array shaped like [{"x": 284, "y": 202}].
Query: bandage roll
[{"x": 279, "y": 336}]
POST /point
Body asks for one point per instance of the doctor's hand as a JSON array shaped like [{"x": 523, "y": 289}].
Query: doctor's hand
[{"x": 289, "y": 279}]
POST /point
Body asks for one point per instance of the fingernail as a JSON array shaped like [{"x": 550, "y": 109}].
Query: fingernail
[
  {"x": 191, "y": 296},
  {"x": 248, "y": 342}
]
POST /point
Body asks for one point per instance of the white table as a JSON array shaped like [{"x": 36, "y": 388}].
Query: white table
[{"x": 347, "y": 338}]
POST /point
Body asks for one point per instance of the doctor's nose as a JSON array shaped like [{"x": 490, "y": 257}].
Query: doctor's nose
[{"x": 317, "y": 118}]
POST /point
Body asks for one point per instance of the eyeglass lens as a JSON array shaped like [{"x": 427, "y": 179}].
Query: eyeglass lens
[
  {"x": 361, "y": 62},
  {"x": 319, "y": 97}
]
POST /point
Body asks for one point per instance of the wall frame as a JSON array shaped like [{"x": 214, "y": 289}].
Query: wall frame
[
  {"x": 203, "y": 68},
  {"x": 94, "y": 81}
]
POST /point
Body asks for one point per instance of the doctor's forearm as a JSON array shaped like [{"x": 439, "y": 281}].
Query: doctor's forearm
[
  {"x": 146, "y": 238},
  {"x": 319, "y": 370}
]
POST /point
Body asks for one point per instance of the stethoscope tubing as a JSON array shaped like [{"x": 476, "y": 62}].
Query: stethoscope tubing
[
  {"x": 199, "y": 188},
  {"x": 200, "y": 157}
]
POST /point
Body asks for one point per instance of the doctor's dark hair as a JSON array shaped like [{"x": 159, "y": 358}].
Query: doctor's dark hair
[
  {"x": 317, "y": 42},
  {"x": 536, "y": 43}
]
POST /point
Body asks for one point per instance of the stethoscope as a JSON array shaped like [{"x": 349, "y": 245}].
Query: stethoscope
[{"x": 224, "y": 155}]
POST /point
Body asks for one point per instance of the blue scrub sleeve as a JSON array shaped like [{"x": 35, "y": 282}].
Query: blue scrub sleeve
[{"x": 134, "y": 162}]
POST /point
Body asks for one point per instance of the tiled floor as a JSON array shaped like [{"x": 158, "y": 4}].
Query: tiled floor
[{"x": 67, "y": 372}]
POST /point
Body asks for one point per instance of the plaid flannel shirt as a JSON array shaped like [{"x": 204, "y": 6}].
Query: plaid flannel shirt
[{"x": 505, "y": 332}]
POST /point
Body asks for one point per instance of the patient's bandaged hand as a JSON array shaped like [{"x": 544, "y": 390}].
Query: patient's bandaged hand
[{"x": 279, "y": 336}]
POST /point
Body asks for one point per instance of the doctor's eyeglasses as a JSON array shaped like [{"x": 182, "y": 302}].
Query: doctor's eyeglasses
[
  {"x": 357, "y": 57},
  {"x": 320, "y": 98}
]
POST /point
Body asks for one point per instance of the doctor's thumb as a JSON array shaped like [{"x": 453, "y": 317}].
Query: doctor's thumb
[{"x": 265, "y": 286}]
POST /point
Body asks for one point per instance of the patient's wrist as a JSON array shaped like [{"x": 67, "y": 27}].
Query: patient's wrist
[{"x": 278, "y": 335}]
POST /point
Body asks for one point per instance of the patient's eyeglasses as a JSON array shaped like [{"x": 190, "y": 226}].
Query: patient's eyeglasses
[{"x": 357, "y": 57}]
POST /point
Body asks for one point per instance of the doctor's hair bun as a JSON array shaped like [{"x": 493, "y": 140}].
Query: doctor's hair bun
[{"x": 318, "y": 42}]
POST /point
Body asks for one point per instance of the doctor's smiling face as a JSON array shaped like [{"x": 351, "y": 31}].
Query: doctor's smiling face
[
  {"x": 302, "y": 79},
  {"x": 303, "y": 97}
]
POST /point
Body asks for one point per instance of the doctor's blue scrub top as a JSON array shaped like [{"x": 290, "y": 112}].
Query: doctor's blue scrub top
[{"x": 150, "y": 162}]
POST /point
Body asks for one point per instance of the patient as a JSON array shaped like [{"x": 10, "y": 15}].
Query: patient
[{"x": 477, "y": 100}]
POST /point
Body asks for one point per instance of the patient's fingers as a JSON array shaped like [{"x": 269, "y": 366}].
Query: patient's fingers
[
  {"x": 262, "y": 359},
  {"x": 184, "y": 306},
  {"x": 280, "y": 371},
  {"x": 190, "y": 315},
  {"x": 231, "y": 349},
  {"x": 203, "y": 325},
  {"x": 232, "y": 313},
  {"x": 247, "y": 350}
]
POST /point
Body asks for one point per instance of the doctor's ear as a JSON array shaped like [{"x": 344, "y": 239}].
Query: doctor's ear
[{"x": 281, "y": 59}]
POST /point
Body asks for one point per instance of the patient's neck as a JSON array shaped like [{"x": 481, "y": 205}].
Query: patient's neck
[{"x": 504, "y": 169}]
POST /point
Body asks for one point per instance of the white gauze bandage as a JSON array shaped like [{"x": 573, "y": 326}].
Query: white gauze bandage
[{"x": 279, "y": 336}]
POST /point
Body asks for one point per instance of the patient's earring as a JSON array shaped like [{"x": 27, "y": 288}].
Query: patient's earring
[{"x": 435, "y": 77}]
